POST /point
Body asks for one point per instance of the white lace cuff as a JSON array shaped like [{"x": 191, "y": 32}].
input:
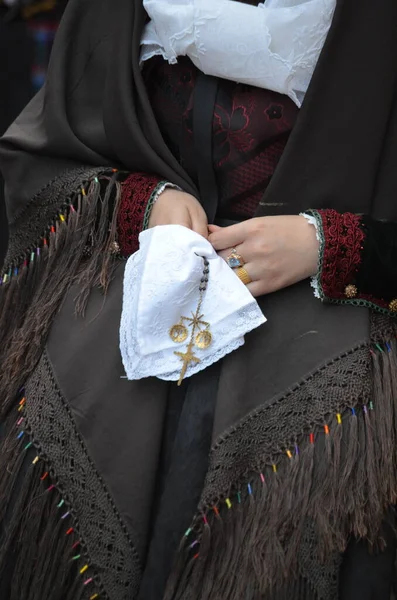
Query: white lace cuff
[{"x": 315, "y": 280}]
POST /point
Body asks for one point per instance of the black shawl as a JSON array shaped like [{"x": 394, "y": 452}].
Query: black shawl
[{"x": 304, "y": 437}]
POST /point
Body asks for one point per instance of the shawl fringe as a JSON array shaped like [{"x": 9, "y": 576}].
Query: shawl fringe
[
  {"x": 41, "y": 556},
  {"x": 77, "y": 246},
  {"x": 338, "y": 479}
]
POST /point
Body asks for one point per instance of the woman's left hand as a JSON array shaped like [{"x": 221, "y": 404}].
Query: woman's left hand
[{"x": 278, "y": 251}]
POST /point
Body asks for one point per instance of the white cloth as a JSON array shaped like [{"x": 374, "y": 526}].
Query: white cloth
[
  {"x": 273, "y": 46},
  {"x": 161, "y": 284},
  {"x": 315, "y": 280}
]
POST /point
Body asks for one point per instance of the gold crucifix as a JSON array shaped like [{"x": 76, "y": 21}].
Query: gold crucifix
[
  {"x": 186, "y": 357},
  {"x": 201, "y": 338}
]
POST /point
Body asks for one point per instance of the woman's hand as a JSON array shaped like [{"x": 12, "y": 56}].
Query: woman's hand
[
  {"x": 174, "y": 207},
  {"x": 278, "y": 251}
]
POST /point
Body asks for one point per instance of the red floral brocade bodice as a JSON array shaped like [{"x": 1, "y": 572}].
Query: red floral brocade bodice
[{"x": 251, "y": 127}]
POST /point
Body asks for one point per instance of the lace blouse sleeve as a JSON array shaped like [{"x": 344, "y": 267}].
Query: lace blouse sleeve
[{"x": 357, "y": 260}]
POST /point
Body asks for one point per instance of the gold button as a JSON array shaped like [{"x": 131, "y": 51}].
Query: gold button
[
  {"x": 351, "y": 291},
  {"x": 393, "y": 305}
]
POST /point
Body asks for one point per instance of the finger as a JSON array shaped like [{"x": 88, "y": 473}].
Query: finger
[
  {"x": 200, "y": 226},
  {"x": 250, "y": 270},
  {"x": 240, "y": 250},
  {"x": 213, "y": 228},
  {"x": 186, "y": 224},
  {"x": 184, "y": 221},
  {"x": 224, "y": 254},
  {"x": 229, "y": 237},
  {"x": 256, "y": 288}
]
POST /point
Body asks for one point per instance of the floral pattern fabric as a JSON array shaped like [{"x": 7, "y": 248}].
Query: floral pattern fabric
[
  {"x": 356, "y": 262},
  {"x": 251, "y": 127}
]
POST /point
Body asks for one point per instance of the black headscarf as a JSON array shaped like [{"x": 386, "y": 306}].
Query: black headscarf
[{"x": 297, "y": 492}]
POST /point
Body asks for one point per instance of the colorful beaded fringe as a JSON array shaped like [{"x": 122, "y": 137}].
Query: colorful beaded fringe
[
  {"x": 85, "y": 571},
  {"x": 33, "y": 254},
  {"x": 271, "y": 470}
]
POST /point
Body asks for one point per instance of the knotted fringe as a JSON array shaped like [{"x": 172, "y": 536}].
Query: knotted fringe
[
  {"x": 36, "y": 529},
  {"x": 80, "y": 245},
  {"x": 338, "y": 478}
]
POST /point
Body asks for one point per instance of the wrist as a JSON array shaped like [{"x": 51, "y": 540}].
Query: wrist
[{"x": 161, "y": 190}]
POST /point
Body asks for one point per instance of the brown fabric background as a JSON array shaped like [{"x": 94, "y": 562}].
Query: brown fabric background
[{"x": 339, "y": 155}]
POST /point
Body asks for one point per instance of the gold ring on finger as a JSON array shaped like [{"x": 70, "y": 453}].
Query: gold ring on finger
[
  {"x": 235, "y": 260},
  {"x": 243, "y": 275}
]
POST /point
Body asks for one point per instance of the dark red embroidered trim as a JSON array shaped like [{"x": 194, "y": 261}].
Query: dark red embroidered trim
[
  {"x": 136, "y": 192},
  {"x": 343, "y": 243}
]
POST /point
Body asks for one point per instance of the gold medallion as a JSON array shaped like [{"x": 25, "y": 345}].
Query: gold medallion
[
  {"x": 178, "y": 333},
  {"x": 203, "y": 339}
]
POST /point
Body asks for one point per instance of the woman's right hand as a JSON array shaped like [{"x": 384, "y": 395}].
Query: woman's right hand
[{"x": 174, "y": 207}]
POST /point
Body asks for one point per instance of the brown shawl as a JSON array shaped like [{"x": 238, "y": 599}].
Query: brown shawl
[{"x": 304, "y": 438}]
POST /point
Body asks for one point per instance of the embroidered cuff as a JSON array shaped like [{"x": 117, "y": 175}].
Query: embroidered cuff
[
  {"x": 140, "y": 192},
  {"x": 355, "y": 263}
]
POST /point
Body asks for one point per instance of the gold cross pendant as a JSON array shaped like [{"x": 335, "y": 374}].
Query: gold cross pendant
[{"x": 187, "y": 358}]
